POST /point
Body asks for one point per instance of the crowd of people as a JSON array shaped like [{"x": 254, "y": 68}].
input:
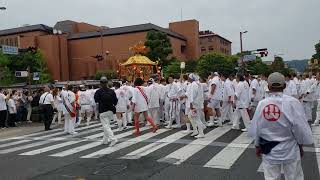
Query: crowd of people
[{"x": 220, "y": 100}]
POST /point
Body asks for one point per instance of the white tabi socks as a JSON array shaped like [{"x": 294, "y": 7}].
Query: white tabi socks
[{"x": 188, "y": 131}]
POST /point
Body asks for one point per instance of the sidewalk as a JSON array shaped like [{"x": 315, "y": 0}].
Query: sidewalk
[{"x": 23, "y": 129}]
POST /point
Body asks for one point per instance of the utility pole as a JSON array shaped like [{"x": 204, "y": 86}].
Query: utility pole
[
  {"x": 29, "y": 79},
  {"x": 242, "y": 65}
]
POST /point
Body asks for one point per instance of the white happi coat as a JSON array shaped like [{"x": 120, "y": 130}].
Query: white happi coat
[
  {"x": 68, "y": 97},
  {"x": 256, "y": 85},
  {"x": 218, "y": 91},
  {"x": 154, "y": 95},
  {"x": 228, "y": 90},
  {"x": 123, "y": 101},
  {"x": 264, "y": 88},
  {"x": 139, "y": 100},
  {"x": 85, "y": 98},
  {"x": 195, "y": 96},
  {"x": 291, "y": 89},
  {"x": 281, "y": 118},
  {"x": 242, "y": 94}
]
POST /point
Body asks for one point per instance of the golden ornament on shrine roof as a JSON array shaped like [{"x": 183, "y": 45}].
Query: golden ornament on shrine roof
[
  {"x": 139, "y": 48},
  {"x": 138, "y": 60}
]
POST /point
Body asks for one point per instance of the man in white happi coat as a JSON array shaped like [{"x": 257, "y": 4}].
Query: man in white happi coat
[
  {"x": 215, "y": 94},
  {"x": 307, "y": 97},
  {"x": 291, "y": 88},
  {"x": 153, "y": 93},
  {"x": 69, "y": 110},
  {"x": 126, "y": 86},
  {"x": 162, "y": 87},
  {"x": 255, "y": 94},
  {"x": 316, "y": 88},
  {"x": 85, "y": 102},
  {"x": 228, "y": 97},
  {"x": 194, "y": 105},
  {"x": 121, "y": 107},
  {"x": 174, "y": 104},
  {"x": 280, "y": 129},
  {"x": 242, "y": 102},
  {"x": 264, "y": 86}
]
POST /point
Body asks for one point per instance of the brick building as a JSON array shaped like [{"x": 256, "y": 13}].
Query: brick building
[
  {"x": 211, "y": 42},
  {"x": 68, "y": 47}
]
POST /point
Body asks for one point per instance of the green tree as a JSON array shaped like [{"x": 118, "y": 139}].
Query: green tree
[
  {"x": 159, "y": 47},
  {"x": 258, "y": 67},
  {"x": 110, "y": 74},
  {"x": 215, "y": 62},
  {"x": 191, "y": 66},
  {"x": 11, "y": 63},
  {"x": 317, "y": 48},
  {"x": 278, "y": 65},
  {"x": 172, "y": 69}
]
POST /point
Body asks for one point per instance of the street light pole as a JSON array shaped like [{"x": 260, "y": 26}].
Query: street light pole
[{"x": 241, "y": 45}]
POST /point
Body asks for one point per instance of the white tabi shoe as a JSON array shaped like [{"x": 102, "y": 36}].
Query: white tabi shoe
[
  {"x": 235, "y": 128},
  {"x": 314, "y": 124},
  {"x": 176, "y": 126},
  {"x": 199, "y": 136},
  {"x": 194, "y": 133},
  {"x": 187, "y": 131},
  {"x": 210, "y": 123},
  {"x": 113, "y": 142},
  {"x": 244, "y": 130},
  {"x": 105, "y": 141}
]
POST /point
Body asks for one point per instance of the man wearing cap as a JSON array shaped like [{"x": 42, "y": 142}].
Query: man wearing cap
[
  {"x": 107, "y": 101},
  {"x": 85, "y": 103},
  {"x": 280, "y": 129}
]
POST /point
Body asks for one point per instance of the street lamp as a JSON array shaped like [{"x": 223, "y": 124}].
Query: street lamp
[
  {"x": 3, "y": 8},
  {"x": 241, "y": 46}
]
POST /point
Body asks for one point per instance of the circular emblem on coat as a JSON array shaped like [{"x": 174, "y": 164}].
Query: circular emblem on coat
[{"x": 271, "y": 112}]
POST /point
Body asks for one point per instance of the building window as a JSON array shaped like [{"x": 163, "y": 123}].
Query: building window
[
  {"x": 16, "y": 42},
  {"x": 203, "y": 49},
  {"x": 210, "y": 39},
  {"x": 10, "y": 42},
  {"x": 7, "y": 42},
  {"x": 1, "y": 41},
  {"x": 183, "y": 49},
  {"x": 211, "y": 48}
]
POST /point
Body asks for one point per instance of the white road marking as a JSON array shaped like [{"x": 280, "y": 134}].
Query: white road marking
[
  {"x": 228, "y": 156},
  {"x": 154, "y": 146},
  {"x": 124, "y": 144},
  {"x": 91, "y": 145},
  {"x": 316, "y": 136},
  {"x": 195, "y": 146}
]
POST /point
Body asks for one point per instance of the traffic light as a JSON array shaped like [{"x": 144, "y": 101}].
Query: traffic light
[{"x": 263, "y": 52}]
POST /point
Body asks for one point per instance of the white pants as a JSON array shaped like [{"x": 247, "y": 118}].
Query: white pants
[
  {"x": 29, "y": 113},
  {"x": 196, "y": 121},
  {"x": 69, "y": 123},
  {"x": 174, "y": 112},
  {"x": 57, "y": 115},
  {"x": 86, "y": 110},
  {"x": 96, "y": 111},
  {"x": 308, "y": 109},
  {"x": 241, "y": 113},
  {"x": 105, "y": 121},
  {"x": 292, "y": 171},
  {"x": 227, "y": 111},
  {"x": 154, "y": 113}
]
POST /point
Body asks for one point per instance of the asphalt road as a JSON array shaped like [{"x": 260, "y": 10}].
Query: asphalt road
[{"x": 168, "y": 154}]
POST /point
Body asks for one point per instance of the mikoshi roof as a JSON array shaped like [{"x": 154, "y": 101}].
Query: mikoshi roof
[{"x": 138, "y": 60}]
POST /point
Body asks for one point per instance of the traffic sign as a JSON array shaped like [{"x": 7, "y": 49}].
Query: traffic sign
[
  {"x": 21, "y": 73},
  {"x": 250, "y": 57},
  {"x": 182, "y": 65},
  {"x": 10, "y": 50},
  {"x": 36, "y": 76}
]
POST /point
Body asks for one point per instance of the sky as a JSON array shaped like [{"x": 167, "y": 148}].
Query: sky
[{"x": 287, "y": 27}]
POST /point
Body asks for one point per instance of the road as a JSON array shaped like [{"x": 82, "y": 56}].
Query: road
[{"x": 168, "y": 154}]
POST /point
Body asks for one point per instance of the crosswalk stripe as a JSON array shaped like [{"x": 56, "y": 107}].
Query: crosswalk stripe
[
  {"x": 316, "y": 136},
  {"x": 154, "y": 146},
  {"x": 91, "y": 145},
  {"x": 39, "y": 133},
  {"x": 43, "y": 142},
  {"x": 57, "y": 146},
  {"x": 195, "y": 146},
  {"x": 228, "y": 156},
  {"x": 124, "y": 144},
  {"x": 50, "y": 135},
  {"x": 14, "y": 143}
]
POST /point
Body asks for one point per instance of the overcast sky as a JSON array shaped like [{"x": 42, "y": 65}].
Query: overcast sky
[{"x": 289, "y": 27}]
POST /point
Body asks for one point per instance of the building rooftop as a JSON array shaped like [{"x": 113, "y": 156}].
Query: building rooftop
[
  {"x": 125, "y": 30},
  {"x": 24, "y": 29}
]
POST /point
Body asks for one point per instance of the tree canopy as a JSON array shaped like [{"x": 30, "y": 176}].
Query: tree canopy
[
  {"x": 159, "y": 47},
  {"x": 216, "y": 62},
  {"x": 11, "y": 63},
  {"x": 317, "y": 54}
]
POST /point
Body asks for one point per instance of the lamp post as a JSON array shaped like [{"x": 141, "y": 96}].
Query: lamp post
[{"x": 241, "y": 45}]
